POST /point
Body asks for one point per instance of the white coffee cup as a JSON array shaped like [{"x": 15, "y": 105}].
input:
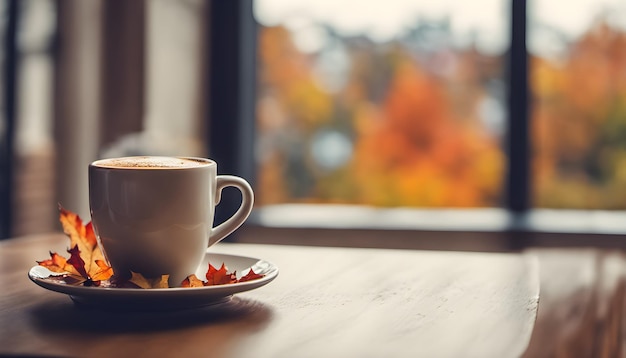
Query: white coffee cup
[{"x": 154, "y": 215}]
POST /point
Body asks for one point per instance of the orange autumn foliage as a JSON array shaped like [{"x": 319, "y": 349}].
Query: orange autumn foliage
[
  {"x": 417, "y": 129},
  {"x": 414, "y": 142},
  {"x": 579, "y": 122},
  {"x": 86, "y": 263}
]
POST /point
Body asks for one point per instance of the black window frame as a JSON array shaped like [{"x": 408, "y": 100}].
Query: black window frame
[
  {"x": 231, "y": 73},
  {"x": 9, "y": 113}
]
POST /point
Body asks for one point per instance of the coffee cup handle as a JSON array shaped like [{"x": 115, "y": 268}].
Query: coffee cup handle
[{"x": 247, "y": 201}]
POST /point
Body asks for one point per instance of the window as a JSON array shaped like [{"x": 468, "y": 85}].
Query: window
[
  {"x": 358, "y": 112},
  {"x": 318, "y": 94},
  {"x": 400, "y": 104}
]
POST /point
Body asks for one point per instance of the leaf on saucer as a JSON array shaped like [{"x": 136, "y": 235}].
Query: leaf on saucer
[
  {"x": 84, "y": 238},
  {"x": 144, "y": 282},
  {"x": 104, "y": 271},
  {"x": 72, "y": 269},
  {"x": 219, "y": 277},
  {"x": 86, "y": 264},
  {"x": 58, "y": 263},
  {"x": 192, "y": 281},
  {"x": 251, "y": 275},
  {"x": 77, "y": 261}
]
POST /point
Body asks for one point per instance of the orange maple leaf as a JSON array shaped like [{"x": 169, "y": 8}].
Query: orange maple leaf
[
  {"x": 192, "y": 281},
  {"x": 219, "y": 277},
  {"x": 251, "y": 275},
  {"x": 86, "y": 259},
  {"x": 58, "y": 263}
]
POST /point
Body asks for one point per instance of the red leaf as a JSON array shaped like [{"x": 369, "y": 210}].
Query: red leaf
[
  {"x": 58, "y": 263},
  {"x": 83, "y": 237},
  {"x": 250, "y": 276},
  {"x": 77, "y": 261},
  {"x": 219, "y": 277}
]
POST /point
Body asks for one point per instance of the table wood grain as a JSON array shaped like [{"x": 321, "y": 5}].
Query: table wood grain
[{"x": 326, "y": 302}]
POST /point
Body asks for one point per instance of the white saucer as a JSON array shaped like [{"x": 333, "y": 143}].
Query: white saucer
[{"x": 164, "y": 299}]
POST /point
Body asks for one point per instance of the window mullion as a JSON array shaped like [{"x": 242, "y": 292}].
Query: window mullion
[
  {"x": 518, "y": 144},
  {"x": 231, "y": 76}
]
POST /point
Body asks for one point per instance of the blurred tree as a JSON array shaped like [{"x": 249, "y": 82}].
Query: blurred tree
[
  {"x": 419, "y": 155},
  {"x": 417, "y": 137},
  {"x": 579, "y": 123}
]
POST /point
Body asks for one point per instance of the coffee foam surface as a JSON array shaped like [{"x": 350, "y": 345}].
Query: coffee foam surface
[{"x": 149, "y": 162}]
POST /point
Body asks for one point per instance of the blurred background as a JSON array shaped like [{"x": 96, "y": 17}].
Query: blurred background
[
  {"x": 394, "y": 104},
  {"x": 403, "y": 103}
]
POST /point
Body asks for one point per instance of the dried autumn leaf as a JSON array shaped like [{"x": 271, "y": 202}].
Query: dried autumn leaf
[
  {"x": 192, "y": 281},
  {"x": 219, "y": 277},
  {"x": 251, "y": 275},
  {"x": 84, "y": 238},
  {"x": 58, "y": 263},
  {"x": 77, "y": 261},
  {"x": 86, "y": 264},
  {"x": 73, "y": 269},
  {"x": 104, "y": 271},
  {"x": 144, "y": 282}
]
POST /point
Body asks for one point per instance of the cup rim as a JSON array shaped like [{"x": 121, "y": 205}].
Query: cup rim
[{"x": 203, "y": 163}]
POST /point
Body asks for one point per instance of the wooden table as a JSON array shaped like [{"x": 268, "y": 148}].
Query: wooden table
[{"x": 326, "y": 302}]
